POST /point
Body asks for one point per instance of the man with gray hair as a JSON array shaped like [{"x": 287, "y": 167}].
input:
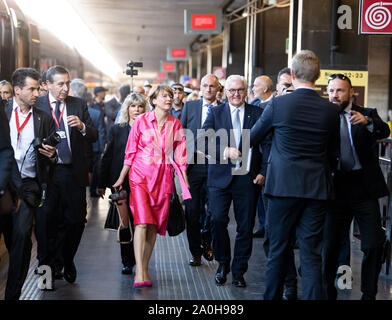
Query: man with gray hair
[
  {"x": 233, "y": 181},
  {"x": 304, "y": 151},
  {"x": 77, "y": 88}
]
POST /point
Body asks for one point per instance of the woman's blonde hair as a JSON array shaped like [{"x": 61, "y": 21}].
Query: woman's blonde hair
[
  {"x": 154, "y": 92},
  {"x": 132, "y": 98}
]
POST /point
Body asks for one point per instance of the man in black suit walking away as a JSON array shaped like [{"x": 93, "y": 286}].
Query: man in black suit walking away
[
  {"x": 358, "y": 184},
  {"x": 66, "y": 204},
  {"x": 304, "y": 150}
]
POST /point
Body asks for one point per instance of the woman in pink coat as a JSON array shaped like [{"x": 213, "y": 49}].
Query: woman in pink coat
[{"x": 155, "y": 139}]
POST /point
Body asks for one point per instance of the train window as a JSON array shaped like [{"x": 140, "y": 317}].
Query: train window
[
  {"x": 7, "y": 62},
  {"x": 24, "y": 51}
]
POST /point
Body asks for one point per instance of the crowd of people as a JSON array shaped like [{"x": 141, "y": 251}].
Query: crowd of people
[{"x": 301, "y": 165}]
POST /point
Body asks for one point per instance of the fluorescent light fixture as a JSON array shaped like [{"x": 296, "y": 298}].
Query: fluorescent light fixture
[{"x": 60, "y": 18}]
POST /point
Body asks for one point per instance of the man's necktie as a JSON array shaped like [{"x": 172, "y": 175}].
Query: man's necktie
[
  {"x": 347, "y": 161},
  {"x": 237, "y": 127},
  {"x": 63, "y": 149}
]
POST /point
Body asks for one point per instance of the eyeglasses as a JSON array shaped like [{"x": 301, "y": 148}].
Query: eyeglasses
[
  {"x": 339, "y": 76},
  {"x": 234, "y": 91}
]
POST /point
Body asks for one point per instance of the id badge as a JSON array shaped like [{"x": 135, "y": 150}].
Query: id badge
[{"x": 62, "y": 134}]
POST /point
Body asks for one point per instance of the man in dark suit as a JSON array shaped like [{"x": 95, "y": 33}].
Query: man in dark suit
[
  {"x": 178, "y": 104},
  {"x": 27, "y": 123},
  {"x": 263, "y": 89},
  {"x": 97, "y": 117},
  {"x": 229, "y": 181},
  {"x": 358, "y": 184},
  {"x": 193, "y": 115},
  {"x": 304, "y": 150},
  {"x": 111, "y": 109},
  {"x": 66, "y": 203},
  {"x": 6, "y": 151}
]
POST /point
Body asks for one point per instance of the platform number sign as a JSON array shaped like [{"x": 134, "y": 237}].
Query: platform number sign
[{"x": 375, "y": 17}]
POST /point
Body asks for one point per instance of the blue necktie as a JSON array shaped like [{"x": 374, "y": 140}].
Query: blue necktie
[
  {"x": 347, "y": 161},
  {"x": 63, "y": 148}
]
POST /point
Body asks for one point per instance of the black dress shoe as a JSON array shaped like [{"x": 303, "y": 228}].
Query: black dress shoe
[
  {"x": 221, "y": 274},
  {"x": 126, "y": 270},
  {"x": 208, "y": 254},
  {"x": 239, "y": 281},
  {"x": 259, "y": 233},
  {"x": 70, "y": 273},
  {"x": 195, "y": 261}
]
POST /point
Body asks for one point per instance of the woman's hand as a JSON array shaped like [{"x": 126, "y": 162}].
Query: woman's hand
[
  {"x": 118, "y": 184},
  {"x": 185, "y": 176}
]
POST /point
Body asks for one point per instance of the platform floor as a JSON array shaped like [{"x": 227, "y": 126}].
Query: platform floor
[{"x": 99, "y": 276}]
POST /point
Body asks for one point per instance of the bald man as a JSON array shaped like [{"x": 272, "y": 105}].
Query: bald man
[
  {"x": 263, "y": 89},
  {"x": 192, "y": 118}
]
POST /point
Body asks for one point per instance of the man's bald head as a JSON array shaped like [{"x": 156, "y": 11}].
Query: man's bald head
[
  {"x": 263, "y": 87},
  {"x": 209, "y": 86}
]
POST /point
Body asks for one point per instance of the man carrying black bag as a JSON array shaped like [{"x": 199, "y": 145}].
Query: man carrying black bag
[{"x": 28, "y": 128}]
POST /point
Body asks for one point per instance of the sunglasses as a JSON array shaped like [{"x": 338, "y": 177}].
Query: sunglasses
[{"x": 339, "y": 76}]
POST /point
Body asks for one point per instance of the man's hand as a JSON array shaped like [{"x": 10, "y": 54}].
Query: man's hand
[
  {"x": 232, "y": 153},
  {"x": 259, "y": 180},
  {"x": 358, "y": 118},
  {"x": 47, "y": 151},
  {"x": 74, "y": 121}
]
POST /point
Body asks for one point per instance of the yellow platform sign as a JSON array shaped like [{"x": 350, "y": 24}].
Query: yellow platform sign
[{"x": 359, "y": 81}]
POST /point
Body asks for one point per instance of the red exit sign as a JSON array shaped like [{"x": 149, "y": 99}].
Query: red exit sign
[
  {"x": 168, "y": 67},
  {"x": 178, "y": 53},
  {"x": 203, "y": 21},
  {"x": 375, "y": 17}
]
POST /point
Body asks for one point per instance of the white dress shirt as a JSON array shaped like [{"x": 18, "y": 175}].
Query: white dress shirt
[
  {"x": 204, "y": 110},
  {"x": 25, "y": 155}
]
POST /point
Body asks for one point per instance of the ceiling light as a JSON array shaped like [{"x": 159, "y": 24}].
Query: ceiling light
[{"x": 60, "y": 18}]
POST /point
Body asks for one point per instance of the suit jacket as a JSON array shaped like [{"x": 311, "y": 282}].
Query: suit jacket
[
  {"x": 44, "y": 127},
  {"x": 366, "y": 146},
  {"x": 111, "y": 109},
  {"x": 98, "y": 120},
  {"x": 305, "y": 144},
  {"x": 191, "y": 120},
  {"x": 6, "y": 151},
  {"x": 77, "y": 107},
  {"x": 113, "y": 157},
  {"x": 220, "y": 174}
]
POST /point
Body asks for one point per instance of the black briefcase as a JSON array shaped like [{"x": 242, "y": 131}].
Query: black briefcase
[{"x": 176, "y": 222}]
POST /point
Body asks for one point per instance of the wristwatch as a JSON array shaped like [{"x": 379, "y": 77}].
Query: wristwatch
[{"x": 370, "y": 120}]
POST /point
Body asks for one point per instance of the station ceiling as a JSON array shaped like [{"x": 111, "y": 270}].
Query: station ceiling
[{"x": 142, "y": 30}]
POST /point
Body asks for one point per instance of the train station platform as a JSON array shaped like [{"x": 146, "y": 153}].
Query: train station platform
[{"x": 99, "y": 277}]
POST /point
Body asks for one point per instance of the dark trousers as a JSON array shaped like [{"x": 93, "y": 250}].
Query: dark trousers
[
  {"x": 243, "y": 193},
  {"x": 21, "y": 244},
  {"x": 66, "y": 212},
  {"x": 205, "y": 216},
  {"x": 367, "y": 214},
  {"x": 95, "y": 172},
  {"x": 305, "y": 218},
  {"x": 197, "y": 177},
  {"x": 261, "y": 209}
]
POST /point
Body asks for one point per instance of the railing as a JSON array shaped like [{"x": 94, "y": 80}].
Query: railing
[{"x": 385, "y": 156}]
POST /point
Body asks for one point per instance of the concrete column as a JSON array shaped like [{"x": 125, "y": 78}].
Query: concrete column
[{"x": 378, "y": 67}]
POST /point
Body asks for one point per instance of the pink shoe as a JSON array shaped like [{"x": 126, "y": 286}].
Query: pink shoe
[
  {"x": 138, "y": 284},
  {"x": 147, "y": 283}
]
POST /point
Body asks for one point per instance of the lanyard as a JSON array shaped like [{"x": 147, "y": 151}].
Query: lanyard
[
  {"x": 54, "y": 116},
  {"x": 20, "y": 128}
]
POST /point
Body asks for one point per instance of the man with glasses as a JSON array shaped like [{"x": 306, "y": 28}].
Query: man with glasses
[
  {"x": 231, "y": 180},
  {"x": 193, "y": 116},
  {"x": 304, "y": 150},
  {"x": 358, "y": 184},
  {"x": 179, "y": 94}
]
